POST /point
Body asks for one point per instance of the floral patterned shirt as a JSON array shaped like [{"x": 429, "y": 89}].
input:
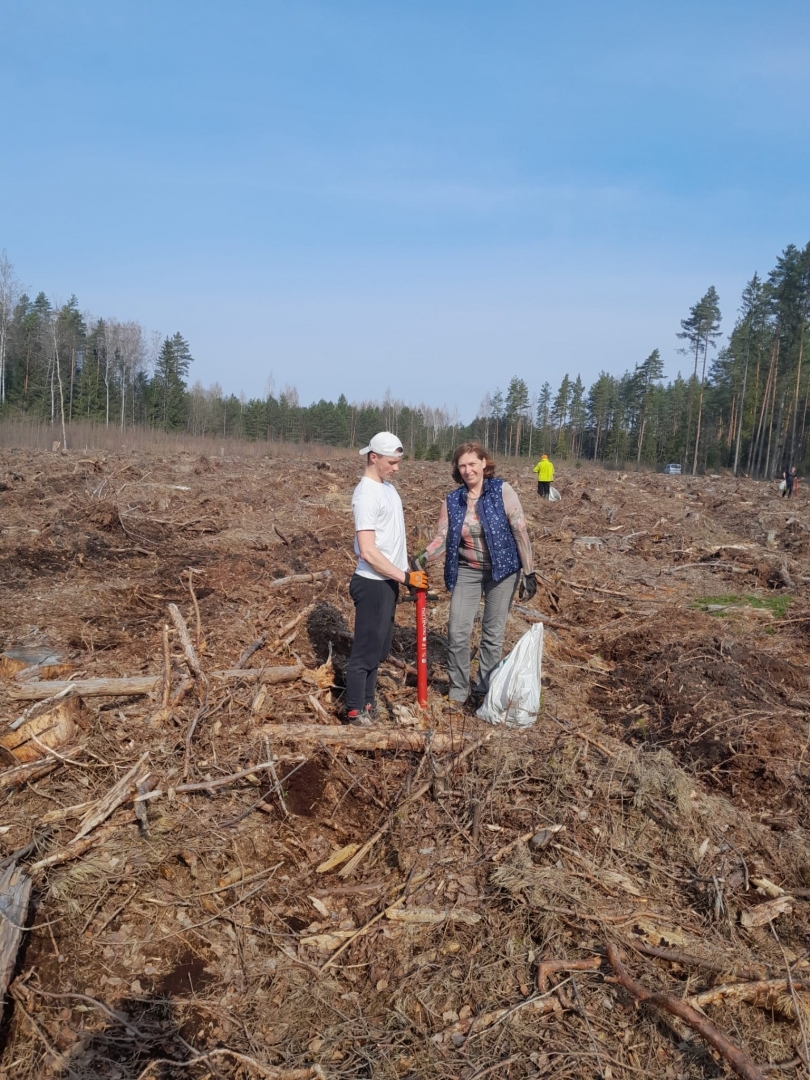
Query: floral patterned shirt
[{"x": 473, "y": 551}]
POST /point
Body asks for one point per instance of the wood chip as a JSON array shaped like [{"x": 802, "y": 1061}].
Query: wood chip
[
  {"x": 336, "y": 858},
  {"x": 764, "y": 913}
]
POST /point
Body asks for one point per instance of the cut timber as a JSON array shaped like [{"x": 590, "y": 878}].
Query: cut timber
[
  {"x": 54, "y": 729},
  {"x": 47, "y": 663},
  {"x": 15, "y": 888},
  {"x": 432, "y": 918},
  {"x": 267, "y": 676},
  {"x": 145, "y": 684},
  {"x": 14, "y": 778},
  {"x": 38, "y": 691},
  {"x": 360, "y": 738},
  {"x": 295, "y": 579}
]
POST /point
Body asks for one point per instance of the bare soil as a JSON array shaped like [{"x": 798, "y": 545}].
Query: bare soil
[{"x": 671, "y": 750}]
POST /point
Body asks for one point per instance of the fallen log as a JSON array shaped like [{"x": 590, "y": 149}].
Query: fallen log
[
  {"x": 15, "y": 889},
  {"x": 139, "y": 685},
  {"x": 296, "y": 579},
  {"x": 740, "y": 1062},
  {"x": 360, "y": 738},
  {"x": 136, "y": 685},
  {"x": 266, "y": 676},
  {"x": 16, "y": 777}
]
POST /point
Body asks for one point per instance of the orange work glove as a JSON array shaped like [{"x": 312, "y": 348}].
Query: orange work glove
[{"x": 416, "y": 579}]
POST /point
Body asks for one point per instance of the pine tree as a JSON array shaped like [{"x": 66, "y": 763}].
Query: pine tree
[
  {"x": 601, "y": 401},
  {"x": 517, "y": 402},
  {"x": 559, "y": 414},
  {"x": 752, "y": 316},
  {"x": 701, "y": 330},
  {"x": 577, "y": 416},
  {"x": 73, "y": 333},
  {"x": 544, "y": 414},
  {"x": 642, "y": 388}
]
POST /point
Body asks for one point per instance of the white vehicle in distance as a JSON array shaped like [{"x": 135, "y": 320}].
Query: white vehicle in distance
[{"x": 672, "y": 470}]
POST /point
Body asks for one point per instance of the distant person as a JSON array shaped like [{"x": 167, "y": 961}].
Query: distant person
[
  {"x": 795, "y": 481},
  {"x": 545, "y": 476},
  {"x": 482, "y": 534},
  {"x": 382, "y": 565},
  {"x": 788, "y": 477}
]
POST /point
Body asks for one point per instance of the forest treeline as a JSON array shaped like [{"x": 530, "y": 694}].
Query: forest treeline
[{"x": 741, "y": 405}]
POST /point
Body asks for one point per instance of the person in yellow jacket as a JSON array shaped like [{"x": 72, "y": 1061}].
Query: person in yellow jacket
[{"x": 545, "y": 475}]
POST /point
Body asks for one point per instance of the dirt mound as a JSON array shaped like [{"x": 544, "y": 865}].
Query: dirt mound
[{"x": 734, "y": 712}]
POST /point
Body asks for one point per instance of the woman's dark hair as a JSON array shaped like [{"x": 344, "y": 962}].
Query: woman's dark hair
[{"x": 479, "y": 451}]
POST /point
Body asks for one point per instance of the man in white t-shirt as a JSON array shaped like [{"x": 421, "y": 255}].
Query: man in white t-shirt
[{"x": 382, "y": 564}]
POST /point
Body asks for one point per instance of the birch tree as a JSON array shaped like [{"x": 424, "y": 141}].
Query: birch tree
[{"x": 10, "y": 293}]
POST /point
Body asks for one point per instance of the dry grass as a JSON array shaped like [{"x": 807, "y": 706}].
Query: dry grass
[{"x": 82, "y": 435}]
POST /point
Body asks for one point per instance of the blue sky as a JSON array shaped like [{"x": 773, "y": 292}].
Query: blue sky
[{"x": 426, "y": 197}]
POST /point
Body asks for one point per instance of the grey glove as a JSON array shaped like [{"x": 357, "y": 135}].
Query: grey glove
[
  {"x": 417, "y": 562},
  {"x": 528, "y": 586}
]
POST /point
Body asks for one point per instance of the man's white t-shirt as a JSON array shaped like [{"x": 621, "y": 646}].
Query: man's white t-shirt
[{"x": 378, "y": 507}]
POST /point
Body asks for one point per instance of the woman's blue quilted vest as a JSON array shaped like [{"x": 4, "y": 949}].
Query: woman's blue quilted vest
[{"x": 503, "y": 550}]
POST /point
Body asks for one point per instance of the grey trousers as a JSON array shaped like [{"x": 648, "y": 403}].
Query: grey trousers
[{"x": 464, "y": 601}]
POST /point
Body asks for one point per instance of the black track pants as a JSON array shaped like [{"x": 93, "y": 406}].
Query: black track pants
[{"x": 374, "y": 606}]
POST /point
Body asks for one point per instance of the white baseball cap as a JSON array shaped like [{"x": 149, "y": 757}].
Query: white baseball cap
[{"x": 385, "y": 444}]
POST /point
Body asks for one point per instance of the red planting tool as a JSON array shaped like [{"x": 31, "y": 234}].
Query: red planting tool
[
  {"x": 420, "y": 597},
  {"x": 421, "y": 647}
]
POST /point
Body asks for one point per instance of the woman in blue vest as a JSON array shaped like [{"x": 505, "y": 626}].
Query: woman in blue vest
[{"x": 482, "y": 533}]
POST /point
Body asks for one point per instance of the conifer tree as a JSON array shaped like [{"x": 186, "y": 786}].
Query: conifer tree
[
  {"x": 701, "y": 330},
  {"x": 169, "y": 403},
  {"x": 517, "y": 402}
]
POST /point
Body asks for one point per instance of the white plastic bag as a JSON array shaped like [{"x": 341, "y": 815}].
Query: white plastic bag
[
  {"x": 783, "y": 486},
  {"x": 514, "y": 686},
  {"x": 554, "y": 495}
]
